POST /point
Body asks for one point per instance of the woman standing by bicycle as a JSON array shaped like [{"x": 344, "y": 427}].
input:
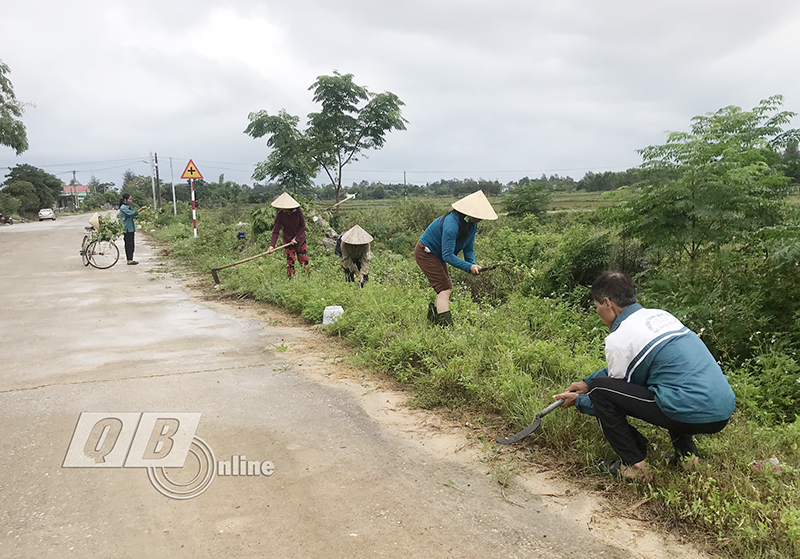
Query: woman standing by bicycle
[{"x": 126, "y": 215}]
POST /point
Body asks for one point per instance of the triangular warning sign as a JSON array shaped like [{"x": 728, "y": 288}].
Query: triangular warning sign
[{"x": 191, "y": 172}]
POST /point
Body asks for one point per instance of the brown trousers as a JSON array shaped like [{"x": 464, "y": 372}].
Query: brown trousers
[{"x": 434, "y": 269}]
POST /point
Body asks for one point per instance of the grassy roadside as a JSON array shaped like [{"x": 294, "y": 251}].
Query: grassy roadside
[{"x": 504, "y": 358}]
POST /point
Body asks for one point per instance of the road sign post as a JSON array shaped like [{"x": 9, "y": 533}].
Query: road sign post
[{"x": 191, "y": 173}]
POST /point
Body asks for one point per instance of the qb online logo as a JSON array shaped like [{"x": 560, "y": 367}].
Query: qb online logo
[{"x": 155, "y": 441}]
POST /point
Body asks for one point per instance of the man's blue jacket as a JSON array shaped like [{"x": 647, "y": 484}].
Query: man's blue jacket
[{"x": 651, "y": 348}]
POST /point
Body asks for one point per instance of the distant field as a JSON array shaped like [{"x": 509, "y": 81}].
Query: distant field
[
  {"x": 578, "y": 201},
  {"x": 561, "y": 201}
]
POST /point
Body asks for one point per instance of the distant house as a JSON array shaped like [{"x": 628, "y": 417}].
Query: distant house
[{"x": 73, "y": 195}]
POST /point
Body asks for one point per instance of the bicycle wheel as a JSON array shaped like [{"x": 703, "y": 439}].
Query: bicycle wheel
[
  {"x": 103, "y": 254},
  {"x": 84, "y": 250}
]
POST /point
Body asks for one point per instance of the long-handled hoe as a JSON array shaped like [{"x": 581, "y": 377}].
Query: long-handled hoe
[{"x": 215, "y": 270}]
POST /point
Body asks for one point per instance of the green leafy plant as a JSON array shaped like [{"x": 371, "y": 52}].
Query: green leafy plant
[
  {"x": 528, "y": 198},
  {"x": 262, "y": 218},
  {"x": 110, "y": 229},
  {"x": 717, "y": 181}
]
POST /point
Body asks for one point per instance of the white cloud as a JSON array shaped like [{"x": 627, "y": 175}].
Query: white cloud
[{"x": 497, "y": 87}]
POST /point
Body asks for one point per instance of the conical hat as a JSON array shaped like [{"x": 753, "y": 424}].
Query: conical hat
[
  {"x": 285, "y": 202},
  {"x": 356, "y": 236},
  {"x": 475, "y": 205},
  {"x": 94, "y": 221}
]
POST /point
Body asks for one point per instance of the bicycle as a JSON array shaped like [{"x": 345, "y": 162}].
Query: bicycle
[
  {"x": 100, "y": 253},
  {"x": 87, "y": 239}
]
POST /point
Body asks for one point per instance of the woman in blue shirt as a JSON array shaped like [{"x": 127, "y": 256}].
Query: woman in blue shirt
[
  {"x": 126, "y": 215},
  {"x": 440, "y": 244}
]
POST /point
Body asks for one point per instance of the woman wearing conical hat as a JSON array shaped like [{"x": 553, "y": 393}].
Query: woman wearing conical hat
[
  {"x": 355, "y": 254},
  {"x": 440, "y": 244},
  {"x": 290, "y": 219}
]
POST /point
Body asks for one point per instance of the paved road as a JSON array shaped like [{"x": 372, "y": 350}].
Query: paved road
[{"x": 76, "y": 340}]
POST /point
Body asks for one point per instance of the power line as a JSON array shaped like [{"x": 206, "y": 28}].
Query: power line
[
  {"x": 93, "y": 170},
  {"x": 116, "y": 161},
  {"x": 354, "y": 171},
  {"x": 122, "y": 162}
]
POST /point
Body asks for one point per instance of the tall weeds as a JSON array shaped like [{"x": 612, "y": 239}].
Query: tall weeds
[{"x": 526, "y": 332}]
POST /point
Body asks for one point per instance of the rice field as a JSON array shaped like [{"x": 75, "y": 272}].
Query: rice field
[{"x": 561, "y": 201}]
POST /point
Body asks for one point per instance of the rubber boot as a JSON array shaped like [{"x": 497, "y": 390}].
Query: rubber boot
[
  {"x": 444, "y": 319},
  {"x": 432, "y": 313}
]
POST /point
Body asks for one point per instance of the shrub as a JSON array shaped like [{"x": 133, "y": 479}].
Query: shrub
[
  {"x": 772, "y": 387},
  {"x": 262, "y": 219},
  {"x": 8, "y": 204},
  {"x": 531, "y": 198}
]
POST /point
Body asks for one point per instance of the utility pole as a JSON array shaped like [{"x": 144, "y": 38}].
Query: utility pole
[
  {"x": 153, "y": 181},
  {"x": 75, "y": 190},
  {"x": 172, "y": 182},
  {"x": 158, "y": 181}
]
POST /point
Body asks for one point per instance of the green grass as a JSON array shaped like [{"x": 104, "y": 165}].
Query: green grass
[
  {"x": 508, "y": 352},
  {"x": 578, "y": 201}
]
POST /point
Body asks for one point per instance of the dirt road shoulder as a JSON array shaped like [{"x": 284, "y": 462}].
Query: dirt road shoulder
[{"x": 324, "y": 358}]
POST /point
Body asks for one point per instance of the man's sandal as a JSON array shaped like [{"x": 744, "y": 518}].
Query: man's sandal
[
  {"x": 617, "y": 469},
  {"x": 609, "y": 467},
  {"x": 687, "y": 463}
]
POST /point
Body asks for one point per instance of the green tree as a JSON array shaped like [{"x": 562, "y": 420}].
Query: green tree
[
  {"x": 127, "y": 177},
  {"x": 25, "y": 192},
  {"x": 704, "y": 187},
  {"x": 528, "y": 198},
  {"x": 101, "y": 200},
  {"x": 141, "y": 190},
  {"x": 791, "y": 160},
  {"x": 47, "y": 187},
  {"x": 608, "y": 180},
  {"x": 94, "y": 201},
  {"x": 97, "y": 187},
  {"x": 351, "y": 121},
  {"x": 12, "y": 129},
  {"x": 9, "y": 205},
  {"x": 290, "y": 162},
  {"x": 219, "y": 193}
]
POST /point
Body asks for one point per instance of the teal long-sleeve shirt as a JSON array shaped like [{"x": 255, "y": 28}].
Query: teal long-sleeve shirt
[
  {"x": 126, "y": 215},
  {"x": 441, "y": 237}
]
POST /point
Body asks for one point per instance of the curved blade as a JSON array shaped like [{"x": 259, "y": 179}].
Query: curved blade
[
  {"x": 532, "y": 427},
  {"x": 522, "y": 434}
]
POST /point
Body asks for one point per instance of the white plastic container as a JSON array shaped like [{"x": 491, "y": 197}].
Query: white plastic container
[{"x": 331, "y": 314}]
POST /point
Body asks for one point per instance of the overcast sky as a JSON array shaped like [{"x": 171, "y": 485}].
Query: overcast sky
[{"x": 494, "y": 89}]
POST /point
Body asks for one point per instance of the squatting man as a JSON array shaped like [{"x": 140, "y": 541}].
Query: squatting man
[{"x": 658, "y": 371}]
